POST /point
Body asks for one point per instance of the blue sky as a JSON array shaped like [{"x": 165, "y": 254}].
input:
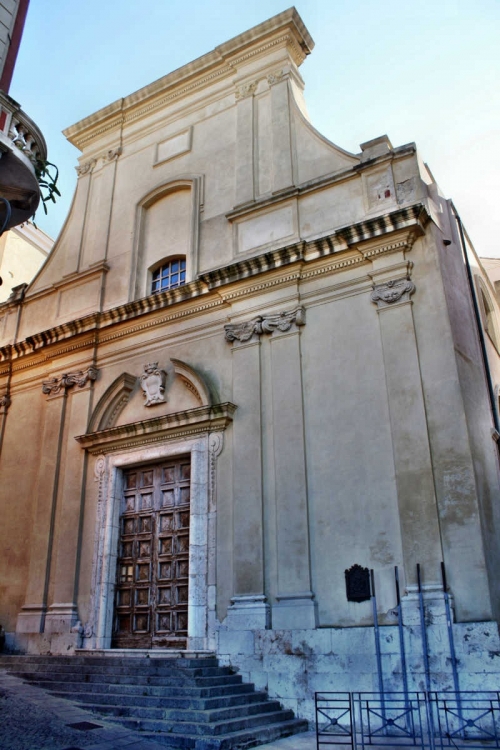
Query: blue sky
[{"x": 426, "y": 72}]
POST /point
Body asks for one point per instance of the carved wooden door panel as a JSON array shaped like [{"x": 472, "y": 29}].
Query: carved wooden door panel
[{"x": 151, "y": 601}]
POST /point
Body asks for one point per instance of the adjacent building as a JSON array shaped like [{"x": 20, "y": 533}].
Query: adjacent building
[{"x": 248, "y": 374}]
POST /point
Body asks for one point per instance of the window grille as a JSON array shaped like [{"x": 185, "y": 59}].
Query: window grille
[{"x": 170, "y": 275}]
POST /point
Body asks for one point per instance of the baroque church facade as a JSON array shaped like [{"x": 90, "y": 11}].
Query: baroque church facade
[{"x": 249, "y": 370}]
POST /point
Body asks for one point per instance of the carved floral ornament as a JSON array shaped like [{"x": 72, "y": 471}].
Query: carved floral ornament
[
  {"x": 396, "y": 290},
  {"x": 88, "y": 166},
  {"x": 54, "y": 386},
  {"x": 265, "y": 324},
  {"x": 249, "y": 89}
]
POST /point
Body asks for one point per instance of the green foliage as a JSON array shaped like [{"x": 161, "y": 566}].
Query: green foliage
[{"x": 47, "y": 175}]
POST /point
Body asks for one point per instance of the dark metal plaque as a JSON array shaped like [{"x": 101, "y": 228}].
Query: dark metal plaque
[{"x": 357, "y": 584}]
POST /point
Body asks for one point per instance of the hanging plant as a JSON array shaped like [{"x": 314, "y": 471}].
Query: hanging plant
[{"x": 47, "y": 175}]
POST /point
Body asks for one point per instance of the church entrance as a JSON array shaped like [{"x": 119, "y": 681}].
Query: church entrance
[{"x": 151, "y": 599}]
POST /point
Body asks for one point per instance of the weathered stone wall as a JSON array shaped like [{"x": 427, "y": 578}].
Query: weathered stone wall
[{"x": 294, "y": 664}]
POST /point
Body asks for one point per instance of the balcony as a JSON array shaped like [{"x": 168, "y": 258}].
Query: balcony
[{"x": 22, "y": 147}]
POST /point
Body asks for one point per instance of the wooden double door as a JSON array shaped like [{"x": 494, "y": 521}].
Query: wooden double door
[{"x": 151, "y": 599}]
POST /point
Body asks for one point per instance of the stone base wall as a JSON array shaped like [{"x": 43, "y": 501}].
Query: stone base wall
[
  {"x": 294, "y": 664},
  {"x": 43, "y": 643}
]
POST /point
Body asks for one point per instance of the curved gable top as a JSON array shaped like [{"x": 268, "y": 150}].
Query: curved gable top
[{"x": 286, "y": 29}]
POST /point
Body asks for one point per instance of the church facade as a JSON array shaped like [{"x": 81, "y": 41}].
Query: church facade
[{"x": 244, "y": 391}]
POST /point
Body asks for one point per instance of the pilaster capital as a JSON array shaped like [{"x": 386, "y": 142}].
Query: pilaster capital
[
  {"x": 392, "y": 291},
  {"x": 54, "y": 386},
  {"x": 86, "y": 167},
  {"x": 246, "y": 90},
  {"x": 281, "y": 321}
]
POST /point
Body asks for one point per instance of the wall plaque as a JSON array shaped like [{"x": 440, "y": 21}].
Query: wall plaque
[{"x": 357, "y": 584}]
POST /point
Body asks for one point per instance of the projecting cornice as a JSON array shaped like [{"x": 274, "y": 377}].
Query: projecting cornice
[
  {"x": 393, "y": 232},
  {"x": 203, "y": 419}
]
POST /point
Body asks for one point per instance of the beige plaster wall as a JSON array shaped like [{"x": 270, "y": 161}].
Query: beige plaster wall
[{"x": 361, "y": 430}]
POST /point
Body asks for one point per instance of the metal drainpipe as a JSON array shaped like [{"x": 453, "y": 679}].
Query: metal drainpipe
[{"x": 479, "y": 325}]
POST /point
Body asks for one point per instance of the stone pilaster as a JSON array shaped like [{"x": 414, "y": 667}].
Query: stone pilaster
[
  {"x": 44, "y": 570},
  {"x": 248, "y": 605},
  {"x": 421, "y": 542},
  {"x": 31, "y": 618},
  {"x": 282, "y": 137},
  {"x": 244, "y": 168},
  {"x": 62, "y": 613},
  {"x": 295, "y": 606}
]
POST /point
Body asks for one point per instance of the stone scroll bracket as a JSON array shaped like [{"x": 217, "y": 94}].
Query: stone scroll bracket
[
  {"x": 263, "y": 324},
  {"x": 60, "y": 385},
  {"x": 392, "y": 285},
  {"x": 392, "y": 292}
]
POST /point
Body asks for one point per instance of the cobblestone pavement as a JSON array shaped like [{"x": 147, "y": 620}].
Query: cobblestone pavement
[{"x": 31, "y": 719}]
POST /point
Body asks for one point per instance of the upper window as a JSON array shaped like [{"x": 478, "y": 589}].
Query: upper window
[{"x": 169, "y": 275}]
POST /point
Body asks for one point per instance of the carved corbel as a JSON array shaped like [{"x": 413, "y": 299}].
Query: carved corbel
[
  {"x": 80, "y": 378},
  {"x": 243, "y": 331},
  {"x": 247, "y": 89},
  {"x": 86, "y": 167},
  {"x": 54, "y": 386},
  {"x": 395, "y": 290},
  {"x": 282, "y": 321},
  {"x": 276, "y": 77},
  {"x": 112, "y": 154}
]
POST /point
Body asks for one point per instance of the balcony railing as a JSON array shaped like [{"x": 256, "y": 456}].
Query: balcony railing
[{"x": 22, "y": 150}]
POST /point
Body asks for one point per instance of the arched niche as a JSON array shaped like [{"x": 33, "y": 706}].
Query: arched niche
[{"x": 167, "y": 226}]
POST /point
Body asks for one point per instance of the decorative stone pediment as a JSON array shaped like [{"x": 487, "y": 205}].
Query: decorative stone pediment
[
  {"x": 187, "y": 389},
  {"x": 204, "y": 419}
]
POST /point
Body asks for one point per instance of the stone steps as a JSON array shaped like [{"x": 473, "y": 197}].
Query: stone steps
[
  {"x": 241, "y": 691},
  {"x": 88, "y": 693},
  {"x": 168, "y": 671},
  {"x": 129, "y": 678},
  {"x": 242, "y": 739},
  {"x": 181, "y": 702},
  {"x": 142, "y": 722}
]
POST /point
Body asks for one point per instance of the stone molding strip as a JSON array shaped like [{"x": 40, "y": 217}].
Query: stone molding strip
[
  {"x": 412, "y": 218},
  {"x": 54, "y": 386},
  {"x": 202, "y": 419},
  {"x": 265, "y": 324}
]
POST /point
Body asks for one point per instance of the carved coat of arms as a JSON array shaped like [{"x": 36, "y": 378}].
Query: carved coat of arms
[{"x": 153, "y": 384}]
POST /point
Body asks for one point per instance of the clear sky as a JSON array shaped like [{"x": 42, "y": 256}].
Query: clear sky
[{"x": 427, "y": 72}]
